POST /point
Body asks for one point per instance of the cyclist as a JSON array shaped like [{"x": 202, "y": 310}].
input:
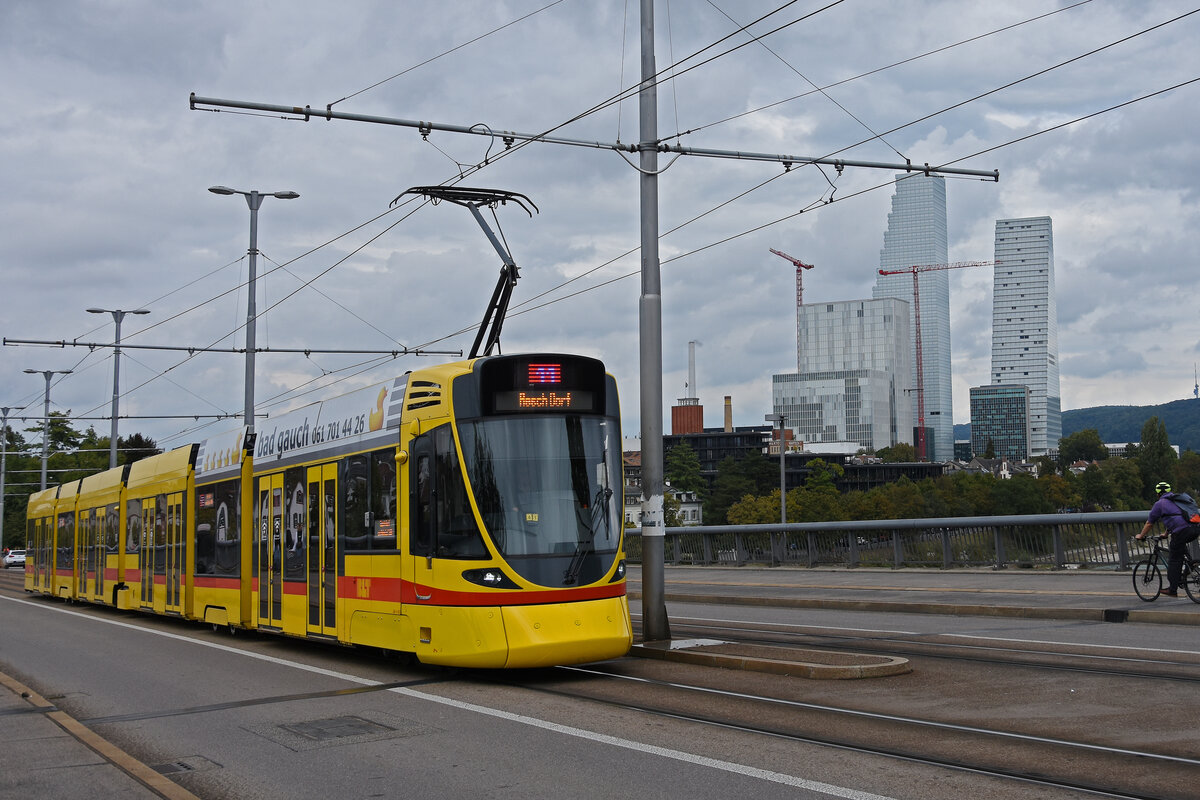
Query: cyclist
[{"x": 1178, "y": 528}]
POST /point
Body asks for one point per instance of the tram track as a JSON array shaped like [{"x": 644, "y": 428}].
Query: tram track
[
  {"x": 1107, "y": 661},
  {"x": 1091, "y": 767},
  {"x": 871, "y": 718}
]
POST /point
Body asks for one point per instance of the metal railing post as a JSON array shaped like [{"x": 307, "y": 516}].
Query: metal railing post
[
  {"x": 998, "y": 536},
  {"x": 1123, "y": 560},
  {"x": 1060, "y": 554}
]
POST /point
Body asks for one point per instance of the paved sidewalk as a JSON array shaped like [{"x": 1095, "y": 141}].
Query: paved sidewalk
[
  {"x": 47, "y": 754},
  {"x": 1103, "y": 595}
]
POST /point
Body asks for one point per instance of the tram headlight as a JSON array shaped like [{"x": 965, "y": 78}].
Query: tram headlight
[
  {"x": 491, "y": 577},
  {"x": 619, "y": 575}
]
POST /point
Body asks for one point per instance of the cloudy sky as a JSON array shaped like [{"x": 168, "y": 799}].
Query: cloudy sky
[{"x": 106, "y": 170}]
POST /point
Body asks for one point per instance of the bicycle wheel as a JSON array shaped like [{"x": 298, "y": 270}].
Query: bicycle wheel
[
  {"x": 1147, "y": 580},
  {"x": 1191, "y": 582}
]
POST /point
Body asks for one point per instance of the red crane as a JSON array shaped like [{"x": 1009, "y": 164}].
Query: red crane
[
  {"x": 799, "y": 274},
  {"x": 917, "y": 270}
]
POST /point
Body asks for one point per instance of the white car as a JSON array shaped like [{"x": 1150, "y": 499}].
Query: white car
[{"x": 14, "y": 558}]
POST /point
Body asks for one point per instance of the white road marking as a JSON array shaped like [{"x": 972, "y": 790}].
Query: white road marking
[{"x": 640, "y": 747}]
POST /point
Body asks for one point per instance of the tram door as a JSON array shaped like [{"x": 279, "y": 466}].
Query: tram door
[
  {"x": 98, "y": 551},
  {"x": 90, "y": 522},
  {"x": 173, "y": 554},
  {"x": 423, "y": 539},
  {"x": 43, "y": 549},
  {"x": 270, "y": 554},
  {"x": 147, "y": 554},
  {"x": 322, "y": 550}
]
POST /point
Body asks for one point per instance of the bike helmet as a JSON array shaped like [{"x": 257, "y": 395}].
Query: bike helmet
[{"x": 1162, "y": 486}]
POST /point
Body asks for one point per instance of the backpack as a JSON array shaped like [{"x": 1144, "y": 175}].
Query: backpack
[{"x": 1187, "y": 506}]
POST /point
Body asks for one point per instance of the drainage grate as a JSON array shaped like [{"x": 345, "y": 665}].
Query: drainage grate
[
  {"x": 367, "y": 726},
  {"x": 324, "y": 730},
  {"x": 189, "y": 764}
]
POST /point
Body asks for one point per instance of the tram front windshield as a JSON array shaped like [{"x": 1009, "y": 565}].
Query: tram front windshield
[{"x": 548, "y": 489}]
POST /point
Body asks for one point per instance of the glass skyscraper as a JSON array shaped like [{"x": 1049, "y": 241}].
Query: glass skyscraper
[
  {"x": 1025, "y": 323},
  {"x": 1000, "y": 418},
  {"x": 916, "y": 235},
  {"x": 853, "y": 375}
]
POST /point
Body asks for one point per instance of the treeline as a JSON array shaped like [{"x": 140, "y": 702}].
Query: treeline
[
  {"x": 73, "y": 454},
  {"x": 747, "y": 491}
]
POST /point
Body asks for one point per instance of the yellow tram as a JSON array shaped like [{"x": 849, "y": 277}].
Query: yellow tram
[{"x": 468, "y": 513}]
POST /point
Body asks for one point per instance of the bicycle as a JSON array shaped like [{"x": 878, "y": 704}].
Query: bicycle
[{"x": 1148, "y": 574}]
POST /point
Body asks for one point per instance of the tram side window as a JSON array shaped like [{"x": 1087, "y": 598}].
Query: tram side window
[
  {"x": 112, "y": 527},
  {"x": 294, "y": 560},
  {"x": 133, "y": 522},
  {"x": 218, "y": 535},
  {"x": 368, "y": 513},
  {"x": 160, "y": 534},
  {"x": 66, "y": 541},
  {"x": 443, "y": 524}
]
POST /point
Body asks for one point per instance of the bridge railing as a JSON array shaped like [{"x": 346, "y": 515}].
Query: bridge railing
[{"x": 1050, "y": 541}]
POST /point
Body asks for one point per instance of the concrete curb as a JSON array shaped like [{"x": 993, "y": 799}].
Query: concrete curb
[
  {"x": 1028, "y": 612},
  {"x": 794, "y": 662},
  {"x": 149, "y": 778}
]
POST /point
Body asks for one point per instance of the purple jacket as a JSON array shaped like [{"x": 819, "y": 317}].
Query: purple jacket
[{"x": 1166, "y": 510}]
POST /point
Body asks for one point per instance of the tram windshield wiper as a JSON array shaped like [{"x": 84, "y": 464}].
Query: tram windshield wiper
[{"x": 599, "y": 513}]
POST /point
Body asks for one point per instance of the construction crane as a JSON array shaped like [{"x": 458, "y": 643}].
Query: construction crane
[
  {"x": 800, "y": 266},
  {"x": 916, "y": 271}
]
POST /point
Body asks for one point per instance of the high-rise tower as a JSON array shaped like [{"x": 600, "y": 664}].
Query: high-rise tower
[
  {"x": 1025, "y": 323},
  {"x": 853, "y": 379},
  {"x": 916, "y": 234}
]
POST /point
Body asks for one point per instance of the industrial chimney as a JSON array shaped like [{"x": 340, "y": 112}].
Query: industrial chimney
[
  {"x": 688, "y": 416},
  {"x": 728, "y": 414}
]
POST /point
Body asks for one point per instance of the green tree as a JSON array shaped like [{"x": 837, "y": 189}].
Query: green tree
[
  {"x": 990, "y": 450},
  {"x": 1084, "y": 445},
  {"x": 1126, "y": 481},
  {"x": 1021, "y": 494},
  {"x": 818, "y": 500},
  {"x": 135, "y": 447},
  {"x": 899, "y": 453},
  {"x": 1060, "y": 491},
  {"x": 762, "y": 471},
  {"x": 682, "y": 469},
  {"x": 1187, "y": 473},
  {"x": 1096, "y": 489},
  {"x": 729, "y": 487},
  {"x": 1155, "y": 458},
  {"x": 755, "y": 510}
]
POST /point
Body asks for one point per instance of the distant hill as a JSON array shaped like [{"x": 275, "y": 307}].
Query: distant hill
[{"x": 1124, "y": 423}]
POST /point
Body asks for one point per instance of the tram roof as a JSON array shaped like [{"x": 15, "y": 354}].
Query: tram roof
[{"x": 175, "y": 463}]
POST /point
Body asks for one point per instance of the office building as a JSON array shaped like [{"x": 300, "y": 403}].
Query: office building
[
  {"x": 1025, "y": 323},
  {"x": 916, "y": 235},
  {"x": 1000, "y": 419},
  {"x": 853, "y": 378}
]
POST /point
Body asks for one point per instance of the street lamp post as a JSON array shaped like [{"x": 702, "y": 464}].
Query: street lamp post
[
  {"x": 3, "y": 464},
  {"x": 782, "y": 420},
  {"x": 47, "y": 374},
  {"x": 253, "y": 200},
  {"x": 117, "y": 315}
]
